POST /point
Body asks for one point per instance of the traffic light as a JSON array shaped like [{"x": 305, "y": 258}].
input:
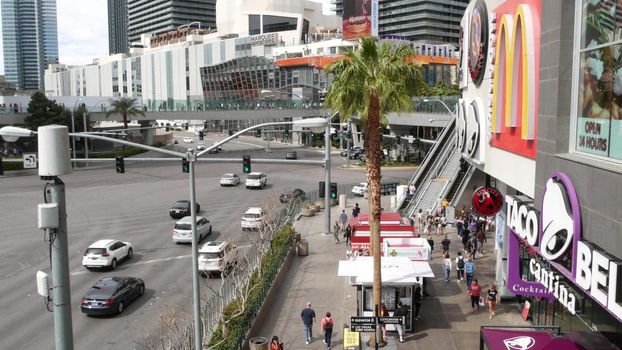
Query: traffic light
[
  {"x": 1, "y": 167},
  {"x": 321, "y": 189},
  {"x": 168, "y": 129},
  {"x": 286, "y": 134},
  {"x": 333, "y": 190},
  {"x": 120, "y": 164},
  {"x": 201, "y": 135},
  {"x": 246, "y": 164},
  {"x": 185, "y": 165},
  {"x": 186, "y": 126},
  {"x": 258, "y": 133}
]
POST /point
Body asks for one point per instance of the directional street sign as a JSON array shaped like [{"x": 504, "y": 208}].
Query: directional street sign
[
  {"x": 30, "y": 161},
  {"x": 364, "y": 328},
  {"x": 392, "y": 320},
  {"x": 362, "y": 324}
]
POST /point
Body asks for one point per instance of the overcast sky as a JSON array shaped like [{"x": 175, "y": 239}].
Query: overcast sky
[{"x": 83, "y": 31}]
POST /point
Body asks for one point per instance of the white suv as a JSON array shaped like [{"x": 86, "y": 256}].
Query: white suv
[
  {"x": 106, "y": 253},
  {"x": 256, "y": 180},
  {"x": 217, "y": 257},
  {"x": 253, "y": 218},
  {"x": 182, "y": 232}
]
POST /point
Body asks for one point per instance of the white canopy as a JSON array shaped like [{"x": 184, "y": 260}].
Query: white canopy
[{"x": 394, "y": 270}]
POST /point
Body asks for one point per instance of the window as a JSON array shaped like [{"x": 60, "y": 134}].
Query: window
[
  {"x": 254, "y": 26},
  {"x": 599, "y": 79},
  {"x": 278, "y": 23}
]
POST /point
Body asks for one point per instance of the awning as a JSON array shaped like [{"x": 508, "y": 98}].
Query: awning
[{"x": 395, "y": 271}]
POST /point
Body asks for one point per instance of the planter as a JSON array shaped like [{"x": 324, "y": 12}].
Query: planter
[
  {"x": 307, "y": 212},
  {"x": 321, "y": 204}
]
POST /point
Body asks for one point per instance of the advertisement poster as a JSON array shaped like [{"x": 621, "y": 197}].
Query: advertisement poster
[
  {"x": 360, "y": 17},
  {"x": 500, "y": 222}
]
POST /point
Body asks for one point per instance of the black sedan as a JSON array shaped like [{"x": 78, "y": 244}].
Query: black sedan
[
  {"x": 111, "y": 295},
  {"x": 287, "y": 195},
  {"x": 181, "y": 209}
]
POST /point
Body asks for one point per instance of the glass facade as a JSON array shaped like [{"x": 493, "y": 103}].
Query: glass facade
[
  {"x": 273, "y": 24},
  {"x": 117, "y": 26}
]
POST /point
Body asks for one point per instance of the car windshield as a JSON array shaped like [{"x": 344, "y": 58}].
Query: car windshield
[
  {"x": 252, "y": 216},
  {"x": 96, "y": 251},
  {"x": 209, "y": 256},
  {"x": 362, "y": 184},
  {"x": 227, "y": 176},
  {"x": 183, "y": 226},
  {"x": 182, "y": 204},
  {"x": 254, "y": 177}
]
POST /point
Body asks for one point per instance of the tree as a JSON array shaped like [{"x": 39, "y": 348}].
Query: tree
[
  {"x": 43, "y": 111},
  {"x": 371, "y": 81},
  {"x": 126, "y": 106}
]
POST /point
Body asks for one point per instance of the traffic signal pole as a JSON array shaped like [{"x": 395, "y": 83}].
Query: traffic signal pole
[
  {"x": 198, "y": 325},
  {"x": 327, "y": 179}
]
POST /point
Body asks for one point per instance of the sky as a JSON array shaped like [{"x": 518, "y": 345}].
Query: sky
[{"x": 83, "y": 30}]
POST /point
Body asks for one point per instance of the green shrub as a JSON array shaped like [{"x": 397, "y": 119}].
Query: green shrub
[{"x": 12, "y": 166}]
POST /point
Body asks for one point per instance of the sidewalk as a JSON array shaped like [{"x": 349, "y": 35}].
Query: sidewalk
[{"x": 446, "y": 321}]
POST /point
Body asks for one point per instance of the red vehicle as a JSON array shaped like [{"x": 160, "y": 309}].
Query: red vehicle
[{"x": 392, "y": 225}]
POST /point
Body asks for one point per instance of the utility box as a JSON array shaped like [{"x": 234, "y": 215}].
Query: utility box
[{"x": 343, "y": 202}]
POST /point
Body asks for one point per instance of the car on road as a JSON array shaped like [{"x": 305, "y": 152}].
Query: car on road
[
  {"x": 175, "y": 141},
  {"x": 256, "y": 180},
  {"x": 215, "y": 150},
  {"x": 111, "y": 295},
  {"x": 217, "y": 257},
  {"x": 200, "y": 146},
  {"x": 106, "y": 253},
  {"x": 182, "y": 231},
  {"x": 229, "y": 179},
  {"x": 188, "y": 140},
  {"x": 182, "y": 208},
  {"x": 291, "y": 155},
  {"x": 352, "y": 150},
  {"x": 253, "y": 218},
  {"x": 360, "y": 189},
  {"x": 287, "y": 195}
]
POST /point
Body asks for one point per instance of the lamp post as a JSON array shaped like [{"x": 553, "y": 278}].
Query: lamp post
[{"x": 73, "y": 129}]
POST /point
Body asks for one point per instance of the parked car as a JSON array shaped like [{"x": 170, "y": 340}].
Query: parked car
[
  {"x": 188, "y": 140},
  {"x": 287, "y": 195},
  {"x": 111, "y": 295},
  {"x": 229, "y": 180},
  {"x": 360, "y": 188},
  {"x": 291, "y": 155},
  {"x": 200, "y": 146},
  {"x": 217, "y": 257},
  {"x": 182, "y": 232},
  {"x": 256, "y": 180},
  {"x": 106, "y": 253},
  {"x": 253, "y": 218},
  {"x": 182, "y": 208}
]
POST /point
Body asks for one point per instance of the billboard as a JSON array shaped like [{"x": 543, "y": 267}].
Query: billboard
[{"x": 360, "y": 18}]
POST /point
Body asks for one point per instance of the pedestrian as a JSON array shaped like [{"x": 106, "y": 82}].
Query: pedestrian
[
  {"x": 447, "y": 266},
  {"x": 356, "y": 210},
  {"x": 465, "y": 239},
  {"x": 492, "y": 299},
  {"x": 418, "y": 301},
  {"x": 430, "y": 242},
  {"x": 400, "y": 311},
  {"x": 336, "y": 230},
  {"x": 460, "y": 266},
  {"x": 347, "y": 234},
  {"x": 475, "y": 292},
  {"x": 275, "y": 344},
  {"x": 343, "y": 220},
  {"x": 308, "y": 319},
  {"x": 481, "y": 239},
  {"x": 445, "y": 243},
  {"x": 420, "y": 219},
  {"x": 469, "y": 269},
  {"x": 384, "y": 313},
  {"x": 443, "y": 224},
  {"x": 459, "y": 227},
  {"x": 474, "y": 244},
  {"x": 327, "y": 327}
]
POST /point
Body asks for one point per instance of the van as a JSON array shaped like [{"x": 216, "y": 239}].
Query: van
[{"x": 256, "y": 180}]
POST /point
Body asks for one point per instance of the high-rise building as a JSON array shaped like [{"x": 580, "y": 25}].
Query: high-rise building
[
  {"x": 159, "y": 16},
  {"x": 30, "y": 41},
  {"x": 431, "y": 21},
  {"x": 117, "y": 26}
]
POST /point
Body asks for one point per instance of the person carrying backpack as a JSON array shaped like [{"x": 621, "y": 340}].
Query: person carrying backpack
[
  {"x": 469, "y": 269},
  {"x": 460, "y": 266},
  {"x": 327, "y": 327}
]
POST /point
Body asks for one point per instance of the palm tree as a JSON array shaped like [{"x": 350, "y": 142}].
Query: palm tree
[
  {"x": 125, "y": 106},
  {"x": 370, "y": 81}
]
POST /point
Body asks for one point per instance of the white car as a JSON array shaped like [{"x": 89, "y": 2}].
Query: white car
[
  {"x": 182, "y": 232},
  {"x": 360, "y": 189},
  {"x": 217, "y": 257},
  {"x": 200, "y": 146},
  {"x": 106, "y": 253},
  {"x": 188, "y": 140},
  {"x": 229, "y": 180},
  {"x": 256, "y": 180},
  {"x": 253, "y": 218}
]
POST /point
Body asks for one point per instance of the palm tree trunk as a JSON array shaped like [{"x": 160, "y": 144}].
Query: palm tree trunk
[
  {"x": 124, "y": 120},
  {"x": 372, "y": 160}
]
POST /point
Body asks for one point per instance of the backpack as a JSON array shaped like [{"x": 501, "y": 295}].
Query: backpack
[
  {"x": 460, "y": 263},
  {"x": 328, "y": 326}
]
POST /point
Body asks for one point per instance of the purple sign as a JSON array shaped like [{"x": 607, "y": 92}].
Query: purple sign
[{"x": 502, "y": 339}]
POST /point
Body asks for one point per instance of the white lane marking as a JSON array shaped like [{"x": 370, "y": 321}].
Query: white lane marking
[{"x": 152, "y": 261}]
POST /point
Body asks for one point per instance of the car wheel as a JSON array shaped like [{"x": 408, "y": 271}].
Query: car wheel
[
  {"x": 120, "y": 308},
  {"x": 210, "y": 230},
  {"x": 113, "y": 264},
  {"x": 141, "y": 290},
  {"x": 130, "y": 253}
]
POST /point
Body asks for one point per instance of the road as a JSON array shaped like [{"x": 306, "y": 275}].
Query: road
[{"x": 131, "y": 207}]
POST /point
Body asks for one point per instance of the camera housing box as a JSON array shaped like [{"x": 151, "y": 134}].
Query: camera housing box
[
  {"x": 54, "y": 156},
  {"x": 42, "y": 284},
  {"x": 48, "y": 216}
]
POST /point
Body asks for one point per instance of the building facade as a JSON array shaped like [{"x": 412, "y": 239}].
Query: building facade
[
  {"x": 30, "y": 41},
  {"x": 117, "y": 27},
  {"x": 160, "y": 16},
  {"x": 548, "y": 140},
  {"x": 427, "y": 21}
]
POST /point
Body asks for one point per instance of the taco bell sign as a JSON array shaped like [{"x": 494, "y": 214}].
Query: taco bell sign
[{"x": 555, "y": 235}]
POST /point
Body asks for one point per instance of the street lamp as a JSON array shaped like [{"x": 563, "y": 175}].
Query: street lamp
[{"x": 73, "y": 128}]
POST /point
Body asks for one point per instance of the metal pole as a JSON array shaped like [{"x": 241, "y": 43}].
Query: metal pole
[
  {"x": 63, "y": 329},
  {"x": 348, "y": 152},
  {"x": 269, "y": 150},
  {"x": 73, "y": 140},
  {"x": 198, "y": 332},
  {"x": 86, "y": 141},
  {"x": 327, "y": 198}
]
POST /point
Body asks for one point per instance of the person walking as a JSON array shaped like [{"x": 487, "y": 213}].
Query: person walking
[
  {"x": 492, "y": 299},
  {"x": 447, "y": 266},
  {"x": 327, "y": 325},
  {"x": 469, "y": 269},
  {"x": 347, "y": 234},
  {"x": 443, "y": 224},
  {"x": 275, "y": 344},
  {"x": 420, "y": 219},
  {"x": 445, "y": 244},
  {"x": 343, "y": 220},
  {"x": 465, "y": 239},
  {"x": 308, "y": 319},
  {"x": 336, "y": 230},
  {"x": 474, "y": 244},
  {"x": 400, "y": 311},
  {"x": 481, "y": 239},
  {"x": 430, "y": 242},
  {"x": 356, "y": 210},
  {"x": 475, "y": 291},
  {"x": 384, "y": 313},
  {"x": 460, "y": 266},
  {"x": 418, "y": 301}
]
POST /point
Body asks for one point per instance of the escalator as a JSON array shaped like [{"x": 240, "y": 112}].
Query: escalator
[{"x": 457, "y": 187}]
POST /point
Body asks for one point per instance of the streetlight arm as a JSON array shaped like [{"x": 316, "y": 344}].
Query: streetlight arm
[{"x": 128, "y": 143}]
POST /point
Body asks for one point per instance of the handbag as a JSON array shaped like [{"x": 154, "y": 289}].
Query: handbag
[{"x": 481, "y": 301}]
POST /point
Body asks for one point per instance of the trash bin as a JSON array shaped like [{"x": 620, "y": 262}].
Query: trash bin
[
  {"x": 342, "y": 201},
  {"x": 303, "y": 247},
  {"x": 259, "y": 343}
]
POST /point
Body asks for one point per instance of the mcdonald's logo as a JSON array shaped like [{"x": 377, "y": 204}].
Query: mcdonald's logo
[{"x": 515, "y": 79}]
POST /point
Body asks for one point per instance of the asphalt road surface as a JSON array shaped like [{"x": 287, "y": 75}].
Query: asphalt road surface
[{"x": 131, "y": 207}]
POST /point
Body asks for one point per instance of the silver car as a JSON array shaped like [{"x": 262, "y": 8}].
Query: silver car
[{"x": 229, "y": 180}]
